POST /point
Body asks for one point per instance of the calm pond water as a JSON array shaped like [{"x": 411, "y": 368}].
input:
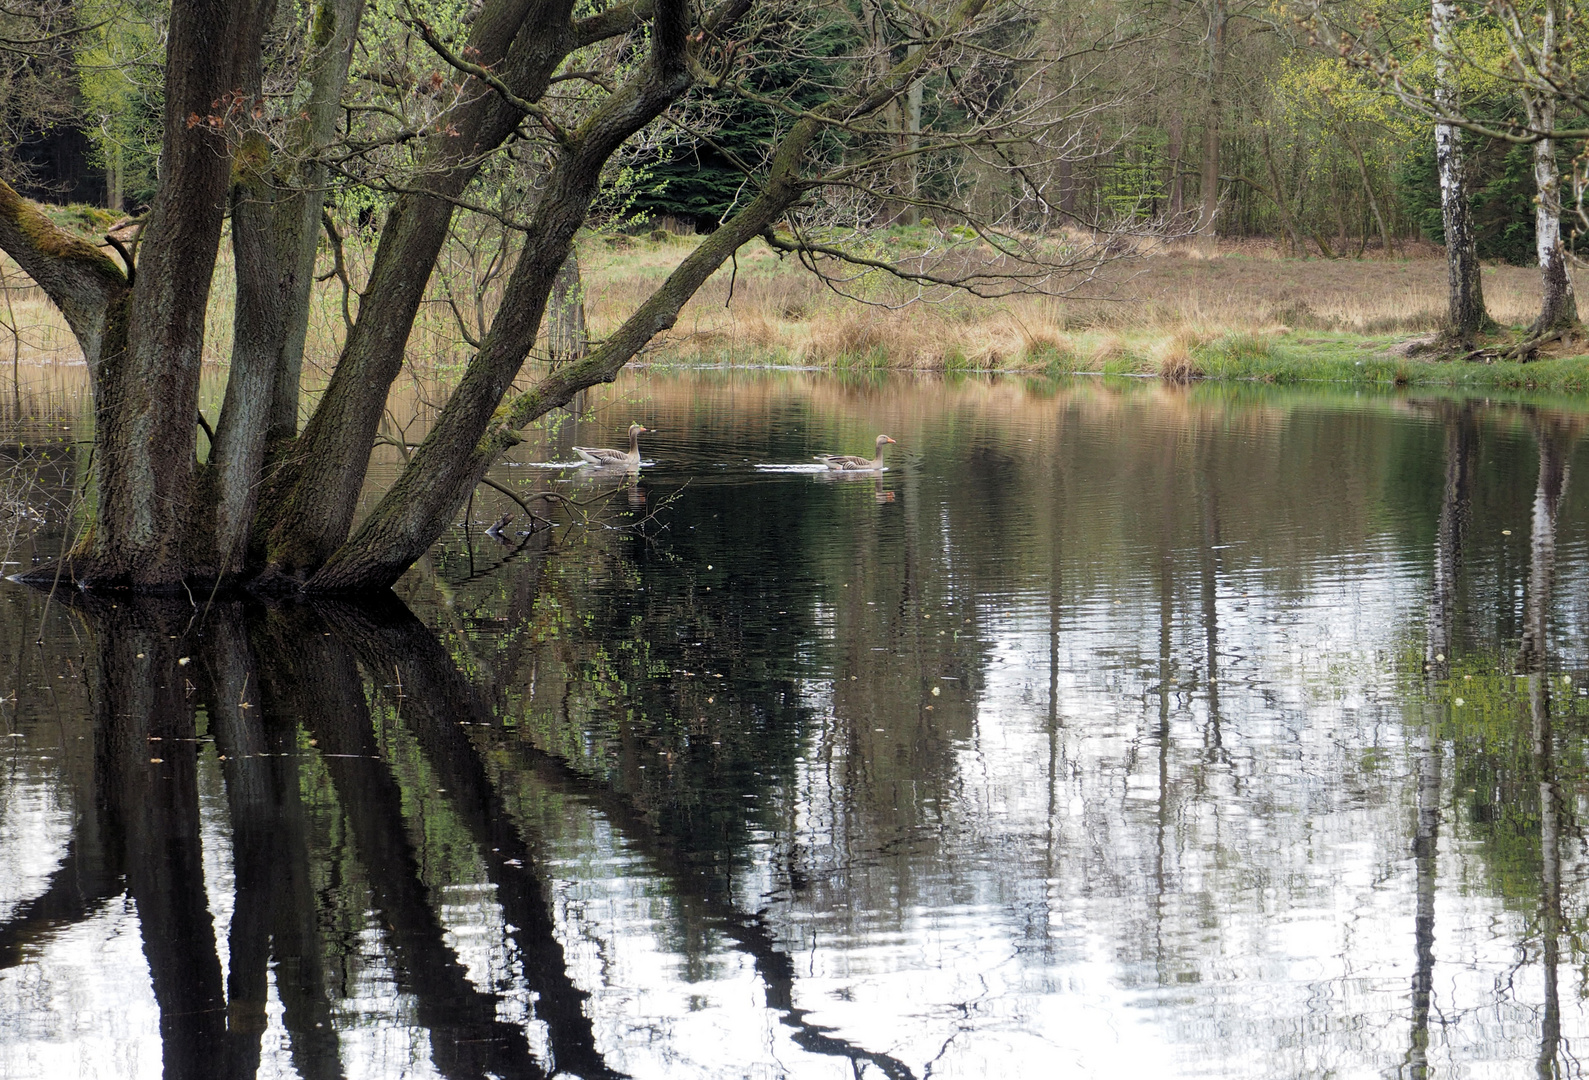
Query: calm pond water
[{"x": 1113, "y": 731}]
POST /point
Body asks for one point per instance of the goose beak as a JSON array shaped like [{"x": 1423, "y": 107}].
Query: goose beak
[{"x": 887, "y": 439}]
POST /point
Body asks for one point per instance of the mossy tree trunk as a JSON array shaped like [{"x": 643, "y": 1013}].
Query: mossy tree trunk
[
  {"x": 1218, "y": 17},
  {"x": 272, "y": 508},
  {"x": 144, "y": 340}
]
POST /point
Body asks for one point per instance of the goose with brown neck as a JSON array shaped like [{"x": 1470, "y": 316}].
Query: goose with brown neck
[
  {"x": 854, "y": 462},
  {"x": 603, "y": 457}
]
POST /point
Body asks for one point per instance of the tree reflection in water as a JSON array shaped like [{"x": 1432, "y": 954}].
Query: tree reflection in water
[
  {"x": 162, "y": 673},
  {"x": 1198, "y": 748}
]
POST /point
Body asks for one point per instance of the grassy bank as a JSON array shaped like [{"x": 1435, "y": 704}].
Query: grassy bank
[
  {"x": 1238, "y": 311},
  {"x": 1342, "y": 358}
]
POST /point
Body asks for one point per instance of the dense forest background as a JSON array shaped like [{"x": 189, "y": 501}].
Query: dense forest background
[{"x": 1186, "y": 104}]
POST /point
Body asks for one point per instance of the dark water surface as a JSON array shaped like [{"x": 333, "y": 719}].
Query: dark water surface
[{"x": 1113, "y": 731}]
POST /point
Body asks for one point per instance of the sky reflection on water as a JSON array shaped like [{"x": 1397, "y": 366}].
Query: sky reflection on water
[{"x": 1113, "y": 730}]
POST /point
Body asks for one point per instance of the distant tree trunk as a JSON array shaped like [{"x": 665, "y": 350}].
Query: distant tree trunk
[
  {"x": 1279, "y": 196},
  {"x": 913, "y": 100},
  {"x": 1067, "y": 189},
  {"x": 1174, "y": 150},
  {"x": 1465, "y": 315},
  {"x": 566, "y": 337},
  {"x": 1558, "y": 307},
  {"x": 1368, "y": 190},
  {"x": 113, "y": 179},
  {"x": 1217, "y": 17}
]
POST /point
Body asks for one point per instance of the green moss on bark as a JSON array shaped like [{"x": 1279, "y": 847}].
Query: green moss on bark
[{"x": 50, "y": 241}]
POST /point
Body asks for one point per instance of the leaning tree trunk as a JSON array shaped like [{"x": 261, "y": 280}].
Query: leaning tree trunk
[
  {"x": 1558, "y": 308},
  {"x": 307, "y": 511},
  {"x": 476, "y": 425},
  {"x": 1465, "y": 315},
  {"x": 408, "y": 520}
]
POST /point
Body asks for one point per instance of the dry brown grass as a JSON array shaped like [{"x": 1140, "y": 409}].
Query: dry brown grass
[
  {"x": 1175, "y": 355},
  {"x": 1155, "y": 310},
  {"x": 1158, "y": 308}
]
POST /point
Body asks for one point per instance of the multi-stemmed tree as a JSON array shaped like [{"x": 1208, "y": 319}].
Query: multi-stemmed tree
[{"x": 261, "y": 113}]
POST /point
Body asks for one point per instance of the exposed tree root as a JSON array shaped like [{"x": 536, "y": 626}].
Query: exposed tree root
[{"x": 1522, "y": 351}]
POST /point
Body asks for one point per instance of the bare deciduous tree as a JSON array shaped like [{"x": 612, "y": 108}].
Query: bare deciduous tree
[{"x": 258, "y": 118}]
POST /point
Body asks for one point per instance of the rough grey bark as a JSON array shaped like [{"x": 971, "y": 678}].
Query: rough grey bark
[
  {"x": 145, "y": 438},
  {"x": 275, "y": 229},
  {"x": 1465, "y": 315},
  {"x": 319, "y": 99}
]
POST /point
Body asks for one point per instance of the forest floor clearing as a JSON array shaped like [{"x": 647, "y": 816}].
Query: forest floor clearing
[
  {"x": 1240, "y": 312},
  {"x": 1244, "y": 313}
]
